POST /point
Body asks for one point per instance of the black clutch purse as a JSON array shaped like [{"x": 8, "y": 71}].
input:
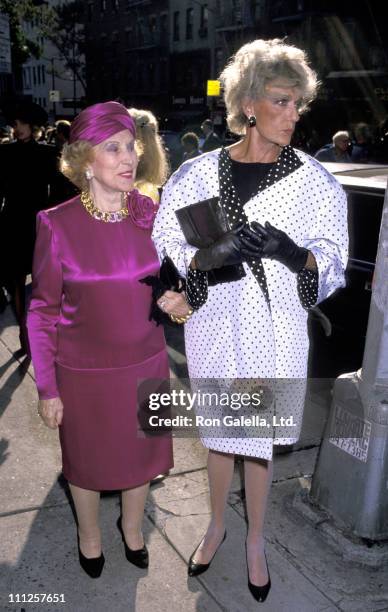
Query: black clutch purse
[
  {"x": 202, "y": 224},
  {"x": 168, "y": 279}
]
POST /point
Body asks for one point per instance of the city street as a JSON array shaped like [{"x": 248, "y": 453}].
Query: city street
[
  {"x": 308, "y": 571},
  {"x": 218, "y": 168}
]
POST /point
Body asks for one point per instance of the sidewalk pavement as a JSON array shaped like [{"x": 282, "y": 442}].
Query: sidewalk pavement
[{"x": 38, "y": 534}]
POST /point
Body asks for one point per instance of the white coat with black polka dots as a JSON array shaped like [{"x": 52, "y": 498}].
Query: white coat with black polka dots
[{"x": 235, "y": 334}]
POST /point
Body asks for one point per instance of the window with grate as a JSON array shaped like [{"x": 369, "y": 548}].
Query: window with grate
[
  {"x": 204, "y": 21},
  {"x": 189, "y": 23}
]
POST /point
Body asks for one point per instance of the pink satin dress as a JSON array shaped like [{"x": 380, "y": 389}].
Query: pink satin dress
[{"x": 91, "y": 342}]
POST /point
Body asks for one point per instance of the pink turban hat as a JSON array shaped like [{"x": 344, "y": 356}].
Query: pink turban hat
[{"x": 100, "y": 121}]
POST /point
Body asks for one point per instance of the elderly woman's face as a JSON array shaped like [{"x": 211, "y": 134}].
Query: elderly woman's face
[
  {"x": 115, "y": 162},
  {"x": 276, "y": 112}
]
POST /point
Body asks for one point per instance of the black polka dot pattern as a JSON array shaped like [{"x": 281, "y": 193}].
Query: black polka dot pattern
[
  {"x": 196, "y": 288},
  {"x": 308, "y": 287}
]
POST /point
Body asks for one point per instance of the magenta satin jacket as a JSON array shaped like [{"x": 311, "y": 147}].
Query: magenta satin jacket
[{"x": 88, "y": 309}]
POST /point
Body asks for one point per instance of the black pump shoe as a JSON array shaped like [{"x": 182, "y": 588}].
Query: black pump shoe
[
  {"x": 137, "y": 557},
  {"x": 194, "y": 569},
  {"x": 94, "y": 566},
  {"x": 260, "y": 592}
]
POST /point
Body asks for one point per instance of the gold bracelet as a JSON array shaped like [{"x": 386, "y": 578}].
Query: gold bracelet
[{"x": 183, "y": 319}]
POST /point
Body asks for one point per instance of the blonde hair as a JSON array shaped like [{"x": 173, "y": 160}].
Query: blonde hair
[
  {"x": 74, "y": 160},
  {"x": 153, "y": 165},
  {"x": 254, "y": 66},
  {"x": 340, "y": 136}
]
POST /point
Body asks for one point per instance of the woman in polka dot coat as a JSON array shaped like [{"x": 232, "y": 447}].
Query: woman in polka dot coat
[{"x": 288, "y": 220}]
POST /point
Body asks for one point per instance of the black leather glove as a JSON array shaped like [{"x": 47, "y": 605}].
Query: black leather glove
[
  {"x": 268, "y": 241},
  {"x": 226, "y": 251}
]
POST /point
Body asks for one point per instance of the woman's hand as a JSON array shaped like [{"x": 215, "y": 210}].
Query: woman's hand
[
  {"x": 225, "y": 251},
  {"x": 51, "y": 412},
  {"x": 271, "y": 242},
  {"x": 175, "y": 304}
]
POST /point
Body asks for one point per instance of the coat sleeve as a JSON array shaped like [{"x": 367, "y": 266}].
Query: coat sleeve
[
  {"x": 44, "y": 309},
  {"x": 169, "y": 240},
  {"x": 167, "y": 234},
  {"x": 330, "y": 241}
]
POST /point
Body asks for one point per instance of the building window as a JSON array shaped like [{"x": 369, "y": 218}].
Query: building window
[
  {"x": 162, "y": 74},
  {"x": 140, "y": 32},
  {"x": 237, "y": 12},
  {"x": 152, "y": 27},
  {"x": 43, "y": 74},
  {"x": 129, "y": 38},
  {"x": 34, "y": 75},
  {"x": 140, "y": 76},
  {"x": 220, "y": 60},
  {"x": 189, "y": 23},
  {"x": 220, "y": 7},
  {"x": 115, "y": 5},
  {"x": 176, "y": 26},
  {"x": 258, "y": 9},
  {"x": 90, "y": 11},
  {"x": 204, "y": 21},
  {"x": 163, "y": 27},
  {"x": 152, "y": 24},
  {"x": 114, "y": 43},
  {"x": 102, "y": 5},
  {"x": 151, "y": 76}
]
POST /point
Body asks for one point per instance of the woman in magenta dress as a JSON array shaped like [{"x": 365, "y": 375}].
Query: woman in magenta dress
[{"x": 91, "y": 340}]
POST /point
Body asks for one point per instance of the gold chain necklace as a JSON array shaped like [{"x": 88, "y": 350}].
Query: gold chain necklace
[{"x": 102, "y": 215}]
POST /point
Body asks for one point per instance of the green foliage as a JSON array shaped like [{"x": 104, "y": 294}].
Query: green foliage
[
  {"x": 22, "y": 47},
  {"x": 63, "y": 27}
]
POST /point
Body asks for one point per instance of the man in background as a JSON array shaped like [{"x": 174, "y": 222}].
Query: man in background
[
  {"x": 338, "y": 151},
  {"x": 212, "y": 141}
]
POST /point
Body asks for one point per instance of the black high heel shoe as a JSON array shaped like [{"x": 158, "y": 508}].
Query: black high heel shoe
[
  {"x": 260, "y": 593},
  {"x": 194, "y": 569},
  {"x": 93, "y": 566},
  {"x": 138, "y": 557}
]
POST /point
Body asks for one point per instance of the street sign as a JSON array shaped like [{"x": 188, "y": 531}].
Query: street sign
[
  {"x": 54, "y": 95},
  {"x": 213, "y": 88}
]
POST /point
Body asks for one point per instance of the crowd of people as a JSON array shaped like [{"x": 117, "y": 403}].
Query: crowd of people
[{"x": 97, "y": 207}]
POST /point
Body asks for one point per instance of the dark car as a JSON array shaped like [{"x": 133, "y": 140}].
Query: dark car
[{"x": 338, "y": 326}]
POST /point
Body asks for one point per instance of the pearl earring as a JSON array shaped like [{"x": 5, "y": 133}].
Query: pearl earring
[
  {"x": 88, "y": 174},
  {"x": 251, "y": 121}
]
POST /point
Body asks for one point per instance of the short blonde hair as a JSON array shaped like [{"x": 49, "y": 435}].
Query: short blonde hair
[
  {"x": 153, "y": 165},
  {"x": 74, "y": 160},
  {"x": 254, "y": 66}
]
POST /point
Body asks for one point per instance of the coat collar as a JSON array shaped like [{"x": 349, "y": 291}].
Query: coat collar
[{"x": 287, "y": 162}]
